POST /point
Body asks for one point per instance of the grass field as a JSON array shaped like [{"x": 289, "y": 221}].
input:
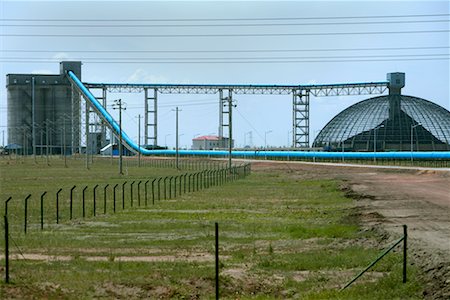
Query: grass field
[{"x": 281, "y": 236}]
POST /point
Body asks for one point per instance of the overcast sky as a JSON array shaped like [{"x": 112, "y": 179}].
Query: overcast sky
[{"x": 321, "y": 42}]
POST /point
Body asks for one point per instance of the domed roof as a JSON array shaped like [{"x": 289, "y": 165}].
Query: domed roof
[{"x": 389, "y": 120}]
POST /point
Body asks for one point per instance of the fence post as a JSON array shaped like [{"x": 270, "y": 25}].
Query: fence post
[
  {"x": 175, "y": 187},
  {"x": 165, "y": 195},
  {"x": 405, "y": 241},
  {"x": 153, "y": 191},
  {"x": 131, "y": 192},
  {"x": 26, "y": 213},
  {"x": 210, "y": 178},
  {"x": 139, "y": 192},
  {"x": 123, "y": 195},
  {"x": 217, "y": 260},
  {"x": 7, "y": 242},
  {"x": 42, "y": 210},
  {"x": 145, "y": 189},
  {"x": 198, "y": 180},
  {"x": 104, "y": 198},
  {"x": 175, "y": 179},
  {"x": 184, "y": 182},
  {"x": 84, "y": 207},
  {"x": 57, "y": 205},
  {"x": 180, "y": 190},
  {"x": 114, "y": 197},
  {"x": 95, "y": 206},
  {"x": 71, "y": 200},
  {"x": 159, "y": 188},
  {"x": 189, "y": 183}
]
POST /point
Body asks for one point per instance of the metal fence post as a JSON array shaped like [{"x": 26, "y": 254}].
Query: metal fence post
[
  {"x": 104, "y": 198},
  {"x": 189, "y": 183},
  {"x": 217, "y": 259},
  {"x": 405, "y": 241},
  {"x": 26, "y": 213},
  {"x": 153, "y": 191},
  {"x": 139, "y": 192},
  {"x": 131, "y": 192},
  {"x": 175, "y": 187},
  {"x": 165, "y": 195},
  {"x": 42, "y": 210},
  {"x": 180, "y": 190},
  {"x": 71, "y": 200},
  {"x": 123, "y": 195},
  {"x": 145, "y": 190},
  {"x": 57, "y": 205},
  {"x": 84, "y": 207},
  {"x": 114, "y": 197},
  {"x": 198, "y": 181},
  {"x": 159, "y": 194},
  {"x": 95, "y": 206},
  {"x": 7, "y": 242},
  {"x": 6, "y": 248}
]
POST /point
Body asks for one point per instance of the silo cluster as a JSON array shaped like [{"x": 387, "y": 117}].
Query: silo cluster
[{"x": 44, "y": 112}]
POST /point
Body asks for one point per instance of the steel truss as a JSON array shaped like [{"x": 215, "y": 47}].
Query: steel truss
[
  {"x": 300, "y": 107},
  {"x": 151, "y": 116},
  {"x": 300, "y": 118}
]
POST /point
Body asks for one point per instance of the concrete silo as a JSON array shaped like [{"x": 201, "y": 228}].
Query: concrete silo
[{"x": 44, "y": 112}]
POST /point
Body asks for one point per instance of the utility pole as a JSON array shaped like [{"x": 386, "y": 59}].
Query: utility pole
[
  {"x": 176, "y": 139},
  {"x": 375, "y": 141},
  {"x": 139, "y": 139},
  {"x": 64, "y": 142},
  {"x": 33, "y": 118},
  {"x": 412, "y": 138},
  {"x": 46, "y": 142},
  {"x": 230, "y": 128},
  {"x": 118, "y": 104}
]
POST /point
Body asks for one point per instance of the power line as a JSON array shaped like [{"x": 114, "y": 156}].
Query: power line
[
  {"x": 224, "y": 19},
  {"x": 219, "y": 35},
  {"x": 239, "y": 58},
  {"x": 233, "y": 62},
  {"x": 216, "y": 25},
  {"x": 227, "y": 51}
]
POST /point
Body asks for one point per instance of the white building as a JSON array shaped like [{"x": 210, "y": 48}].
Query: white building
[{"x": 210, "y": 142}]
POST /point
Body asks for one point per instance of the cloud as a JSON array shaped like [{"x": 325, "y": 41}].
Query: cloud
[
  {"x": 142, "y": 76},
  {"x": 62, "y": 56}
]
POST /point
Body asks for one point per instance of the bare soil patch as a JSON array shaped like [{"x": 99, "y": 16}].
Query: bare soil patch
[{"x": 388, "y": 198}]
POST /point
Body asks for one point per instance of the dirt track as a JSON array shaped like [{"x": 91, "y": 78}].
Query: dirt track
[{"x": 389, "y": 198}]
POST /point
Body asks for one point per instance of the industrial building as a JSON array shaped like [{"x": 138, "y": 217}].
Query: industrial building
[
  {"x": 210, "y": 142},
  {"x": 394, "y": 122},
  {"x": 44, "y": 111},
  {"x": 47, "y": 114}
]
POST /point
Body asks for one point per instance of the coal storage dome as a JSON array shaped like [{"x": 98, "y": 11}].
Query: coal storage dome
[{"x": 388, "y": 123}]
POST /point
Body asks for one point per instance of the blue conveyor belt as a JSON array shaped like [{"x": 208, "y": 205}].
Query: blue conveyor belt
[{"x": 130, "y": 144}]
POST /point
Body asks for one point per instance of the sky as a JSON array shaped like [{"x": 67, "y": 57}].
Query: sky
[{"x": 231, "y": 42}]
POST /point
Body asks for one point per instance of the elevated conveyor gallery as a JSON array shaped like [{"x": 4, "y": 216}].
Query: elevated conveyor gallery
[{"x": 130, "y": 144}]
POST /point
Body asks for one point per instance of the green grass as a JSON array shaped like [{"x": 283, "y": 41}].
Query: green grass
[{"x": 280, "y": 237}]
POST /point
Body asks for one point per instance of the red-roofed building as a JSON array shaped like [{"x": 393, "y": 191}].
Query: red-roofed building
[{"x": 210, "y": 142}]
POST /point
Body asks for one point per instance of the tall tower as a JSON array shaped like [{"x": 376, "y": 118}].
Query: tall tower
[{"x": 396, "y": 83}]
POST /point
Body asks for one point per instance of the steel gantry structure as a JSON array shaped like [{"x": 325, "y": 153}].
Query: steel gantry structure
[{"x": 300, "y": 101}]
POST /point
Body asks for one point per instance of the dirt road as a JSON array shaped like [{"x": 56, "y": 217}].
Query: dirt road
[{"x": 418, "y": 198}]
